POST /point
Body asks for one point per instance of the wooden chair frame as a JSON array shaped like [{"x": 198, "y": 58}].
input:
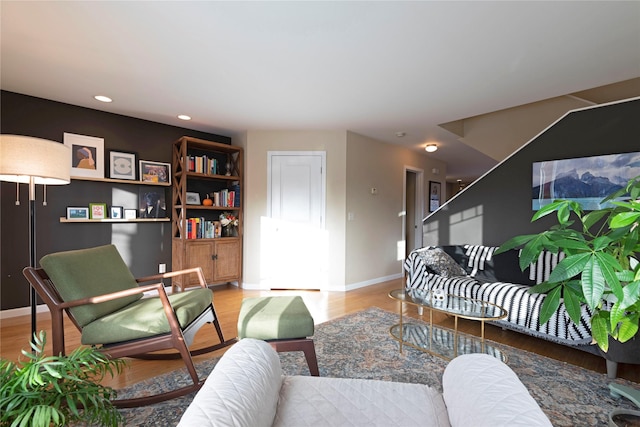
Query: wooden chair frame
[{"x": 179, "y": 338}]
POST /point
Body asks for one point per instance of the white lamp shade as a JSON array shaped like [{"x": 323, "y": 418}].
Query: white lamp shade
[
  {"x": 23, "y": 157},
  {"x": 430, "y": 148}
]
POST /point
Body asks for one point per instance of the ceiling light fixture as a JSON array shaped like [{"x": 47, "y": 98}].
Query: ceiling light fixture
[
  {"x": 430, "y": 148},
  {"x": 103, "y": 98},
  {"x": 400, "y": 134},
  {"x": 184, "y": 117}
]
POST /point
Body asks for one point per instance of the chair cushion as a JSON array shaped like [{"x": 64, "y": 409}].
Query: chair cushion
[
  {"x": 146, "y": 317},
  {"x": 90, "y": 272},
  {"x": 269, "y": 318}
]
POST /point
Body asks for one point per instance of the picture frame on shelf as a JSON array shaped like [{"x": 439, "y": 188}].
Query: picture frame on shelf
[
  {"x": 130, "y": 213},
  {"x": 152, "y": 203},
  {"x": 193, "y": 198},
  {"x": 156, "y": 172},
  {"x": 435, "y": 195},
  {"x": 97, "y": 210},
  {"x": 87, "y": 155},
  {"x": 122, "y": 165},
  {"x": 75, "y": 212},
  {"x": 116, "y": 212}
]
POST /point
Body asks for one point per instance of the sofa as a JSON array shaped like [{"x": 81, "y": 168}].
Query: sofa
[
  {"x": 247, "y": 388},
  {"x": 475, "y": 271}
]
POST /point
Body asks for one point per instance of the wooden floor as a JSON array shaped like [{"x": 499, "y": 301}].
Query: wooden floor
[{"x": 14, "y": 332}]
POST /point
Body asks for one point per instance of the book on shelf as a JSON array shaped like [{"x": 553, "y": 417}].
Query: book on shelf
[
  {"x": 203, "y": 164},
  {"x": 201, "y": 228}
]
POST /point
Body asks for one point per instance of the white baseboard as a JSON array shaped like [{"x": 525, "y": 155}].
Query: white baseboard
[
  {"x": 375, "y": 281},
  {"x": 22, "y": 311}
]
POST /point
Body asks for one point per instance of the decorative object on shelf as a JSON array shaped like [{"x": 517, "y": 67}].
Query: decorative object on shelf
[
  {"x": 229, "y": 224},
  {"x": 228, "y": 166},
  {"x": 435, "y": 194},
  {"x": 77, "y": 213},
  {"x": 28, "y": 160},
  {"x": 116, "y": 212},
  {"x": 97, "y": 210},
  {"x": 87, "y": 155},
  {"x": 122, "y": 165},
  {"x": 130, "y": 214},
  {"x": 152, "y": 203},
  {"x": 155, "y": 171},
  {"x": 207, "y": 201},
  {"x": 193, "y": 198}
]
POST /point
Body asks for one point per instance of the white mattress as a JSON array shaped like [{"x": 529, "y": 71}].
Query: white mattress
[{"x": 320, "y": 401}]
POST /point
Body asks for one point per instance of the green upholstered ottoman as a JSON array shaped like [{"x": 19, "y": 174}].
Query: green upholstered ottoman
[{"x": 283, "y": 321}]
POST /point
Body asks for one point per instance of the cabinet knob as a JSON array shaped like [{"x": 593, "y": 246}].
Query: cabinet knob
[{"x": 214, "y": 257}]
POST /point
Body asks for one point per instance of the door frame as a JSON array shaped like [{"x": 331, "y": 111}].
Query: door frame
[{"x": 419, "y": 204}]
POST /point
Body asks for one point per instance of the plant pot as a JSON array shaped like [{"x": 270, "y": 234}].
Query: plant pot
[
  {"x": 624, "y": 418},
  {"x": 229, "y": 231}
]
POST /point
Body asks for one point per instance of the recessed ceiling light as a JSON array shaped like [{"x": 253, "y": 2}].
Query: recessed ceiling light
[
  {"x": 400, "y": 134},
  {"x": 184, "y": 117},
  {"x": 103, "y": 98},
  {"x": 430, "y": 148}
]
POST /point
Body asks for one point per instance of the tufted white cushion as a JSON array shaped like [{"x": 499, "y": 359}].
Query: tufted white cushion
[
  {"x": 242, "y": 390},
  {"x": 481, "y": 391}
]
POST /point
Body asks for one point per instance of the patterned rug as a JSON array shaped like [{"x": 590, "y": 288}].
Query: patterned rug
[{"x": 359, "y": 346}]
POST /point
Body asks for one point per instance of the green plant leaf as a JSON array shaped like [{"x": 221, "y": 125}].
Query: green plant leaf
[
  {"x": 569, "y": 267},
  {"x": 624, "y": 218},
  {"x": 550, "y": 305},
  {"x": 628, "y": 328},
  {"x": 599, "y": 330},
  {"x": 513, "y": 243},
  {"x": 593, "y": 282},
  {"x": 572, "y": 304}
]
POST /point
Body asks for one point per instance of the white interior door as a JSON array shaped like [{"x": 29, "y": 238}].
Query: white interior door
[{"x": 294, "y": 244}]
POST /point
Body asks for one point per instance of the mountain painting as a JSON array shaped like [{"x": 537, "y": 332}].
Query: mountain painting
[{"x": 586, "y": 180}]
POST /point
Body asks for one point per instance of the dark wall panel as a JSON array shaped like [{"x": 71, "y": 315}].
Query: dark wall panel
[
  {"x": 144, "y": 245},
  {"x": 498, "y": 206}
]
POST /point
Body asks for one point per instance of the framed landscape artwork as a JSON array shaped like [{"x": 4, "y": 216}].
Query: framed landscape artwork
[{"x": 586, "y": 180}]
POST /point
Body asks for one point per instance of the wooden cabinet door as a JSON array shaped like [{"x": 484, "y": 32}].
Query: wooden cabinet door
[
  {"x": 227, "y": 260},
  {"x": 200, "y": 254}
]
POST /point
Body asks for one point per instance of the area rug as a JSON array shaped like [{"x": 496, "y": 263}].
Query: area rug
[{"x": 359, "y": 346}]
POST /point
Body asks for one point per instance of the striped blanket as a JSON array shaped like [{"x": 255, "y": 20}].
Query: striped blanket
[{"x": 523, "y": 307}]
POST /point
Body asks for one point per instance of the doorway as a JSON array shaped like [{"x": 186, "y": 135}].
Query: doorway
[
  {"x": 294, "y": 242},
  {"x": 413, "y": 208}
]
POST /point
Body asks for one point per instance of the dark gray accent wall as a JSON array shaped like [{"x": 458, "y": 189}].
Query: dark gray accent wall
[
  {"x": 146, "y": 244},
  {"x": 498, "y": 206}
]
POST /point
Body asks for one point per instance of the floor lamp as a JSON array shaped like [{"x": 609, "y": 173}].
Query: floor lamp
[{"x": 28, "y": 160}]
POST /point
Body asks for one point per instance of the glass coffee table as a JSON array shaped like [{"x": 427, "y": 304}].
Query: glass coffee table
[{"x": 444, "y": 342}]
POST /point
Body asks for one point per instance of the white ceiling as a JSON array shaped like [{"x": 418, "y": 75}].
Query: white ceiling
[{"x": 375, "y": 68}]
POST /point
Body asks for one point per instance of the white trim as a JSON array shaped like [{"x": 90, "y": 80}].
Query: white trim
[
  {"x": 370, "y": 282},
  {"x": 22, "y": 311}
]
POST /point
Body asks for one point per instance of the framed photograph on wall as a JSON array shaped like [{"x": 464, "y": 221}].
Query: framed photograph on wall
[
  {"x": 87, "y": 155},
  {"x": 97, "y": 210},
  {"x": 155, "y": 171},
  {"x": 77, "y": 213},
  {"x": 435, "y": 195},
  {"x": 122, "y": 165}
]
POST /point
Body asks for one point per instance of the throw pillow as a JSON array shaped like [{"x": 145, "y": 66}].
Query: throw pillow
[{"x": 441, "y": 263}]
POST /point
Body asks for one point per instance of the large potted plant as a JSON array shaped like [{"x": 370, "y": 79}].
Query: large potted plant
[
  {"x": 601, "y": 265},
  {"x": 46, "y": 391}
]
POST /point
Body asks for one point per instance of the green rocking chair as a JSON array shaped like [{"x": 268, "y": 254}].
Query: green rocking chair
[{"x": 102, "y": 298}]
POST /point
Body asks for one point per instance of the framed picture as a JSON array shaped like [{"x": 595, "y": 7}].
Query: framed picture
[
  {"x": 155, "y": 171},
  {"x": 77, "y": 213},
  {"x": 97, "y": 210},
  {"x": 152, "y": 203},
  {"x": 435, "y": 195},
  {"x": 130, "y": 213},
  {"x": 193, "y": 198},
  {"x": 116, "y": 212},
  {"x": 586, "y": 180},
  {"x": 122, "y": 165},
  {"x": 87, "y": 155}
]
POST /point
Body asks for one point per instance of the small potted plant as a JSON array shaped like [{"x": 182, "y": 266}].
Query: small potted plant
[{"x": 46, "y": 391}]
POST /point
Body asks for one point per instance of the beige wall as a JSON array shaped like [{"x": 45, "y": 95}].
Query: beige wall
[
  {"x": 373, "y": 235},
  {"x": 257, "y": 144},
  {"x": 361, "y": 251}
]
